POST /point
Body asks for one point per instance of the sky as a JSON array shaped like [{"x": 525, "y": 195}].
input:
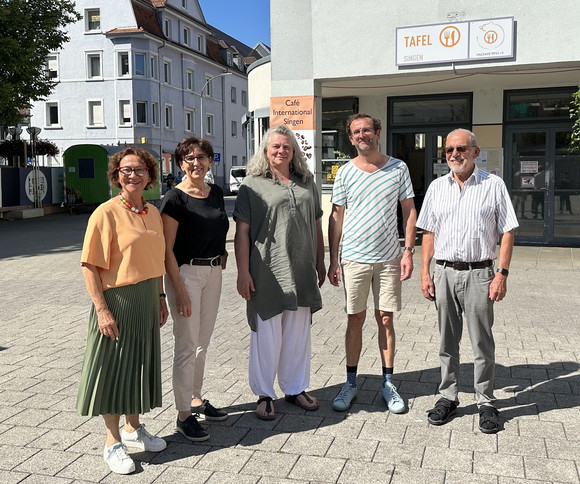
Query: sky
[{"x": 245, "y": 20}]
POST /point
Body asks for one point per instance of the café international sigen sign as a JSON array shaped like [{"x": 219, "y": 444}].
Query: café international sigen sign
[{"x": 474, "y": 40}]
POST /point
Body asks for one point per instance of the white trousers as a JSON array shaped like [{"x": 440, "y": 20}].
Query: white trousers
[
  {"x": 191, "y": 336},
  {"x": 281, "y": 345}
]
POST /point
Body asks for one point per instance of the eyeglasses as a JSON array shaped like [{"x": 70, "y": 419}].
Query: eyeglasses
[
  {"x": 199, "y": 158},
  {"x": 358, "y": 132},
  {"x": 139, "y": 171},
  {"x": 460, "y": 149}
]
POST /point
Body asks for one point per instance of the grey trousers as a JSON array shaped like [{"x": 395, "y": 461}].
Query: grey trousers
[{"x": 466, "y": 293}]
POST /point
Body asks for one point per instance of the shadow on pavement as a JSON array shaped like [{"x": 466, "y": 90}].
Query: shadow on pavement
[{"x": 536, "y": 389}]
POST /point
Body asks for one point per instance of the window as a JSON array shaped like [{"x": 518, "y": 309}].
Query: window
[
  {"x": 167, "y": 25},
  {"x": 123, "y": 66},
  {"x": 169, "y": 116},
  {"x": 95, "y": 113},
  {"x": 186, "y": 36},
  {"x": 141, "y": 112},
  {"x": 140, "y": 63},
  {"x": 189, "y": 80},
  {"x": 124, "y": 113},
  {"x": 51, "y": 119},
  {"x": 167, "y": 72},
  {"x": 209, "y": 86},
  {"x": 244, "y": 98},
  {"x": 234, "y": 129},
  {"x": 189, "y": 117},
  {"x": 92, "y": 20},
  {"x": 184, "y": 3},
  {"x": 234, "y": 95},
  {"x": 200, "y": 43},
  {"x": 52, "y": 66},
  {"x": 154, "y": 67},
  {"x": 234, "y": 160},
  {"x": 94, "y": 66},
  {"x": 209, "y": 124},
  {"x": 155, "y": 114}
]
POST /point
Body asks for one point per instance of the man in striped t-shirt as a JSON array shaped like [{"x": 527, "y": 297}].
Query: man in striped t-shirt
[
  {"x": 464, "y": 215},
  {"x": 365, "y": 195}
]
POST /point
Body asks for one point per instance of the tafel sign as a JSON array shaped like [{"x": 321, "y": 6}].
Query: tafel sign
[{"x": 475, "y": 40}]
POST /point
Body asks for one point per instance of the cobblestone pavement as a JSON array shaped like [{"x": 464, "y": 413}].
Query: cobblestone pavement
[{"x": 43, "y": 314}]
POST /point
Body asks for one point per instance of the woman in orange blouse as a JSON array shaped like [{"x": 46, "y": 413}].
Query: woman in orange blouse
[{"x": 123, "y": 264}]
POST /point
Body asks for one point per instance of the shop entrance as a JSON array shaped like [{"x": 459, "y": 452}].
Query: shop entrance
[
  {"x": 545, "y": 184},
  {"x": 418, "y": 127},
  {"x": 423, "y": 151}
]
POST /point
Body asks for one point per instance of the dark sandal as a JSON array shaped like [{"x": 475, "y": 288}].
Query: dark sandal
[
  {"x": 294, "y": 399},
  {"x": 268, "y": 401},
  {"x": 488, "y": 419},
  {"x": 442, "y": 412}
]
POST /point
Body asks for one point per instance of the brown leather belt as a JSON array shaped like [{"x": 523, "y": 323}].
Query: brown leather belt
[{"x": 465, "y": 266}]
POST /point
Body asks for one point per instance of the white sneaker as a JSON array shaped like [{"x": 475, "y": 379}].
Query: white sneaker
[
  {"x": 142, "y": 440},
  {"x": 117, "y": 458}
]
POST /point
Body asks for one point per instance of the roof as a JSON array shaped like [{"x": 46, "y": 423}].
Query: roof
[
  {"x": 147, "y": 18},
  {"x": 230, "y": 41}
]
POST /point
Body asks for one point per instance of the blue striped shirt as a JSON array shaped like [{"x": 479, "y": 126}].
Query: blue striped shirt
[
  {"x": 467, "y": 223},
  {"x": 370, "y": 226}
]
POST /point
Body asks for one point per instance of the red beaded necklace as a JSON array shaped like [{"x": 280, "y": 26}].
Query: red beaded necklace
[{"x": 131, "y": 207}]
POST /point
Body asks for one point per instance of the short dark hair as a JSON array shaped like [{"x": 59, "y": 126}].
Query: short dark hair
[
  {"x": 146, "y": 157},
  {"x": 185, "y": 146},
  {"x": 353, "y": 117}
]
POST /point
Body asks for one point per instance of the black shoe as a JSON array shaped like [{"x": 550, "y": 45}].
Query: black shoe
[
  {"x": 488, "y": 419},
  {"x": 442, "y": 412},
  {"x": 209, "y": 411},
  {"x": 191, "y": 429}
]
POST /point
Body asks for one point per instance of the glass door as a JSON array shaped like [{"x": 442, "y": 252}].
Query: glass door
[{"x": 545, "y": 185}]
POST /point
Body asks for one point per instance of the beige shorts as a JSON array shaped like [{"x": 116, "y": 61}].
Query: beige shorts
[{"x": 385, "y": 278}]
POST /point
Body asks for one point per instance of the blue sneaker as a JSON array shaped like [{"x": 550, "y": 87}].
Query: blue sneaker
[
  {"x": 394, "y": 401},
  {"x": 343, "y": 400}
]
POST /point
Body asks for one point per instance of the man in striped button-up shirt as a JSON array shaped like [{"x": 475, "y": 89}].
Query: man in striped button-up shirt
[{"x": 463, "y": 216}]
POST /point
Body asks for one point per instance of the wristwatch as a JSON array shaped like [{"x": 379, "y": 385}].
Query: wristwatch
[
  {"x": 410, "y": 249},
  {"x": 503, "y": 272}
]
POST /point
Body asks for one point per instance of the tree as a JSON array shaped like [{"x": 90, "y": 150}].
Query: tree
[
  {"x": 29, "y": 31},
  {"x": 575, "y": 115}
]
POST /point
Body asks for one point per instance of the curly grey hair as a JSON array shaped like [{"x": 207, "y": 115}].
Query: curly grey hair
[{"x": 259, "y": 165}]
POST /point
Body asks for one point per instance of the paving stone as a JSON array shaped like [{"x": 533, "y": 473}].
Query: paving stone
[
  {"x": 317, "y": 469},
  {"x": 453, "y": 477},
  {"x": 225, "y": 460},
  {"x": 364, "y": 472},
  {"x": 516, "y": 445},
  {"x": 307, "y": 444},
  {"x": 57, "y": 439},
  {"x": 12, "y": 456},
  {"x": 558, "y": 470},
  {"x": 498, "y": 464},
  {"x": 407, "y": 475},
  {"x": 448, "y": 459},
  {"x": 548, "y": 430},
  {"x": 354, "y": 450},
  {"x": 48, "y": 462},
  {"x": 271, "y": 464},
  {"x": 400, "y": 454}
]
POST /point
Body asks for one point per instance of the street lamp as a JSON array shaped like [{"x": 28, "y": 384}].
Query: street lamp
[
  {"x": 34, "y": 132},
  {"x": 201, "y": 99}
]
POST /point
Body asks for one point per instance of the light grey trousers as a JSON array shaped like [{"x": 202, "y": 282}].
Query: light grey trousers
[{"x": 458, "y": 294}]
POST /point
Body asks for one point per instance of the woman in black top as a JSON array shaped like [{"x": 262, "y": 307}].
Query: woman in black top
[{"x": 195, "y": 225}]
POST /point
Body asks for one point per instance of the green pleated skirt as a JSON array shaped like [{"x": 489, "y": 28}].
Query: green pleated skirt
[{"x": 123, "y": 377}]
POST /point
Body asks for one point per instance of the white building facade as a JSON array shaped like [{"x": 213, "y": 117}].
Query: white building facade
[
  {"x": 505, "y": 70},
  {"x": 147, "y": 72}
]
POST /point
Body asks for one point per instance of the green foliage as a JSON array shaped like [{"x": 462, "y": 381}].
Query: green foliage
[
  {"x": 29, "y": 31},
  {"x": 575, "y": 115},
  {"x": 16, "y": 148}
]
